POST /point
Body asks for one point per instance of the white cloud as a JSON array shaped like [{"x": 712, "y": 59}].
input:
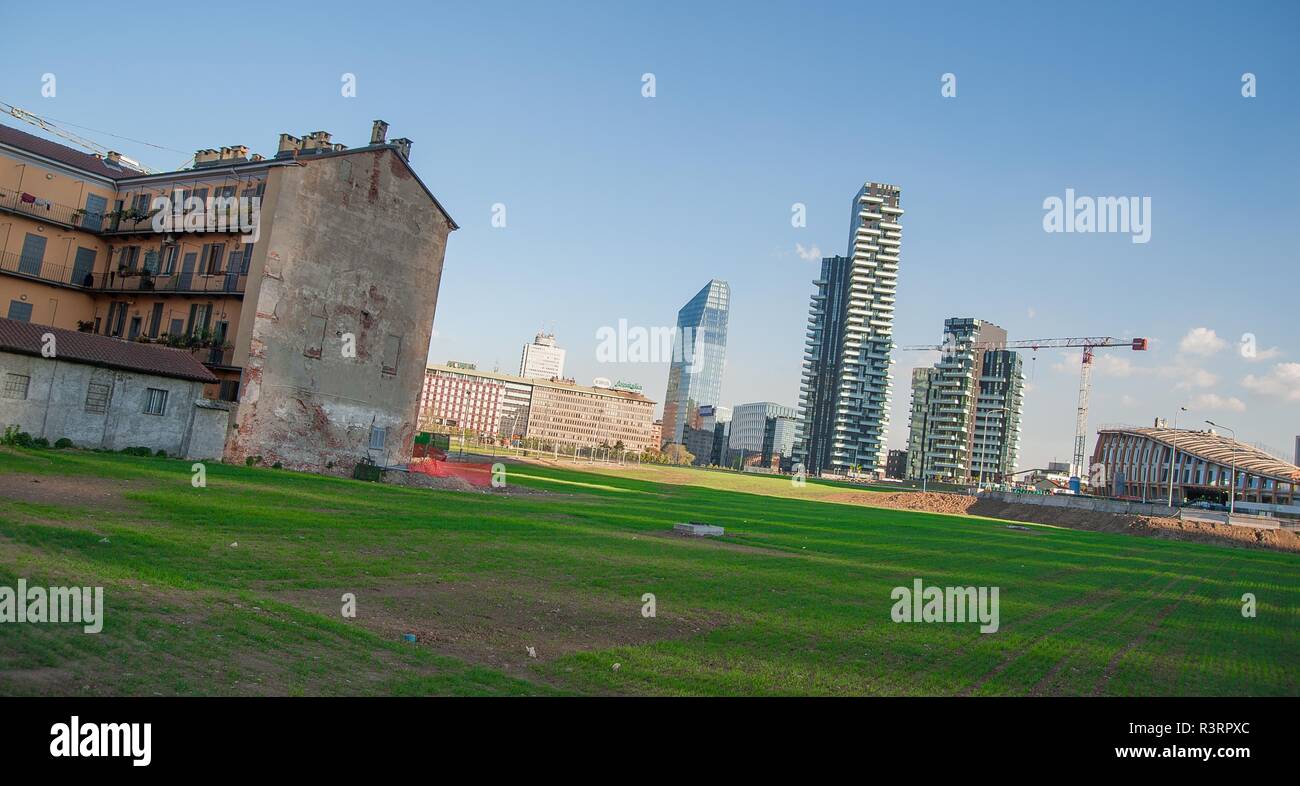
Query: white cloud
[
  {"x": 1216, "y": 403},
  {"x": 1201, "y": 341},
  {"x": 1032, "y": 313},
  {"x": 1283, "y": 381},
  {"x": 812, "y": 254},
  {"x": 1191, "y": 377},
  {"x": 1128, "y": 400}
]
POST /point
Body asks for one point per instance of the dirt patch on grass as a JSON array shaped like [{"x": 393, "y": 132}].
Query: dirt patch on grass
[
  {"x": 494, "y": 621},
  {"x": 420, "y": 480},
  {"x": 66, "y": 491}
]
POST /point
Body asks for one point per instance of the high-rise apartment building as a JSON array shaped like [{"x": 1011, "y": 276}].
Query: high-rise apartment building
[
  {"x": 542, "y": 359},
  {"x": 305, "y": 282},
  {"x": 699, "y": 354},
  {"x": 965, "y": 417},
  {"x": 844, "y": 398}
]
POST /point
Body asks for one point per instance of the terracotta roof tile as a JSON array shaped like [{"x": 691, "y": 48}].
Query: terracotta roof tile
[
  {"x": 63, "y": 154},
  {"x": 75, "y": 347}
]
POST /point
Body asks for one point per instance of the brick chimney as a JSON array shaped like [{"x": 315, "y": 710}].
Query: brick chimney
[
  {"x": 403, "y": 147},
  {"x": 114, "y": 157},
  {"x": 378, "y": 132},
  {"x": 288, "y": 144}
]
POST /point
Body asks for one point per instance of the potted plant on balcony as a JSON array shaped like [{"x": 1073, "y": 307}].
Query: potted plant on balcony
[{"x": 85, "y": 326}]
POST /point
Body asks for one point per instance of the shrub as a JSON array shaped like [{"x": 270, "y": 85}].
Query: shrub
[
  {"x": 62, "y": 442},
  {"x": 161, "y": 453},
  {"x": 19, "y": 439},
  {"x": 40, "y": 442},
  {"x": 137, "y": 451},
  {"x": 252, "y": 460},
  {"x": 277, "y": 465}
]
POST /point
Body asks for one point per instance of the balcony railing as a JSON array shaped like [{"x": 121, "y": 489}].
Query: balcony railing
[
  {"x": 214, "y": 356},
  {"x": 96, "y": 281},
  {"x": 176, "y": 283},
  {"x": 107, "y": 222},
  {"x": 38, "y": 269},
  {"x": 32, "y": 205}
]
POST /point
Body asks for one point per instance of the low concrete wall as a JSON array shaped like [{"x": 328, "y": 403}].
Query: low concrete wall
[{"x": 1117, "y": 506}]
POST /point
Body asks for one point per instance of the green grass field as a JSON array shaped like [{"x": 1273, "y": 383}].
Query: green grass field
[{"x": 236, "y": 588}]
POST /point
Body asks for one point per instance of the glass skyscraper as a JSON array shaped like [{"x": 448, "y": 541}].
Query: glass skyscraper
[{"x": 699, "y": 352}]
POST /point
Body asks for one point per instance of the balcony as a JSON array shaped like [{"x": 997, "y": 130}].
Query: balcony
[
  {"x": 124, "y": 221},
  {"x": 32, "y": 206},
  {"x": 175, "y": 283},
  {"x": 215, "y": 357},
  {"x": 88, "y": 280},
  {"x": 40, "y": 270}
]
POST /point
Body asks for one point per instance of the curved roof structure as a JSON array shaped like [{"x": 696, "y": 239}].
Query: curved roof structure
[{"x": 1219, "y": 449}]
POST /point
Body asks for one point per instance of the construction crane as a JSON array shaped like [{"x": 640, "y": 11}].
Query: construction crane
[
  {"x": 80, "y": 141},
  {"x": 1089, "y": 344}
]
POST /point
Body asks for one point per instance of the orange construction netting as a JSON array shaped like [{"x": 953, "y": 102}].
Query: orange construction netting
[{"x": 475, "y": 474}]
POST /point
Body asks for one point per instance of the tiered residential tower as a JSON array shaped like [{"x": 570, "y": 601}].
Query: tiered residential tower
[
  {"x": 844, "y": 399},
  {"x": 965, "y": 423}
]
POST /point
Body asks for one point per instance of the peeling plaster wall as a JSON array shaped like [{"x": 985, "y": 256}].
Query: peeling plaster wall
[{"x": 355, "y": 245}]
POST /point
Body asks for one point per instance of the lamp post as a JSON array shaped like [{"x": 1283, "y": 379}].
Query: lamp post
[
  {"x": 1232, "y": 489},
  {"x": 1173, "y": 451}
]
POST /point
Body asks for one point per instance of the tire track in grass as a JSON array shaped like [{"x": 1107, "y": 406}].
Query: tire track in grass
[
  {"x": 1042, "y": 687},
  {"x": 1009, "y": 659},
  {"x": 1112, "y": 666}
]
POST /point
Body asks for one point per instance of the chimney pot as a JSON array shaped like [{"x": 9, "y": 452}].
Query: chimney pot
[
  {"x": 378, "y": 132},
  {"x": 403, "y": 147},
  {"x": 114, "y": 156}
]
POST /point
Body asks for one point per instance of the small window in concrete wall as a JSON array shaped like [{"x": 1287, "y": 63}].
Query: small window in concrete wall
[
  {"x": 97, "y": 398},
  {"x": 20, "y": 311},
  {"x": 16, "y": 387},
  {"x": 377, "y": 436},
  {"x": 155, "y": 401},
  {"x": 392, "y": 349},
  {"x": 315, "y": 337}
]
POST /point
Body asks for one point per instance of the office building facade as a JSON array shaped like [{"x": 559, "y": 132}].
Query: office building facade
[
  {"x": 699, "y": 355},
  {"x": 542, "y": 359}
]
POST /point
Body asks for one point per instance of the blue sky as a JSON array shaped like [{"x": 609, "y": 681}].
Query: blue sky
[{"x": 621, "y": 207}]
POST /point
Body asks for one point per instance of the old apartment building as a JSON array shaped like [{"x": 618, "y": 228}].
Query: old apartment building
[{"x": 306, "y": 282}]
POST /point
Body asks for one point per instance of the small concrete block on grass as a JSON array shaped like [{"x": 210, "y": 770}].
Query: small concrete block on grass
[{"x": 698, "y": 529}]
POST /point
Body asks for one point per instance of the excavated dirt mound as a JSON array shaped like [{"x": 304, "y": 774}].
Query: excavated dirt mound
[{"x": 1149, "y": 526}]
